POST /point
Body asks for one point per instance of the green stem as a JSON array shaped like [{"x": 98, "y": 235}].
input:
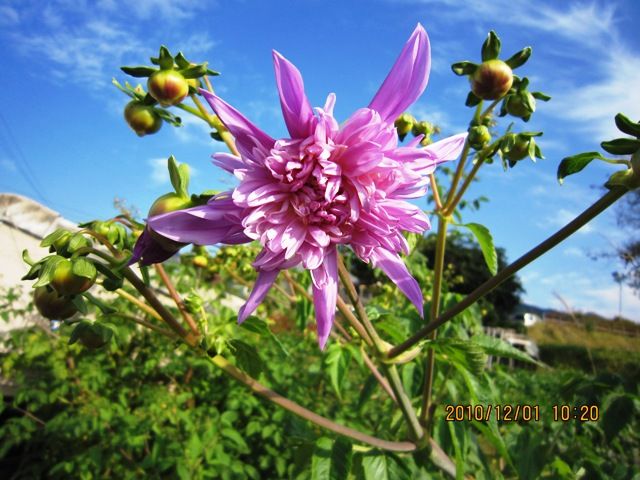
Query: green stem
[
  {"x": 594, "y": 210},
  {"x": 458, "y": 174},
  {"x": 390, "y": 371},
  {"x": 438, "y": 272},
  {"x": 463, "y": 188}
]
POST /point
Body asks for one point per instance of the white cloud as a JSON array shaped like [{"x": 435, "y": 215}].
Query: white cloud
[
  {"x": 574, "y": 252},
  {"x": 8, "y": 15},
  {"x": 8, "y": 165},
  {"x": 560, "y": 218},
  {"x": 603, "y": 300}
]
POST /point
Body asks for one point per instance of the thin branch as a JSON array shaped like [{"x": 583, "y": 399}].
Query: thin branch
[
  {"x": 176, "y": 299},
  {"x": 141, "y": 305},
  {"x": 436, "y": 193},
  {"x": 598, "y": 207}
]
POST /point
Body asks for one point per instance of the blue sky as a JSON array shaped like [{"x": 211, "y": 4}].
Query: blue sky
[{"x": 63, "y": 140}]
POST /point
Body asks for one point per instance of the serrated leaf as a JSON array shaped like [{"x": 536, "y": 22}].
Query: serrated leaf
[
  {"x": 626, "y": 125},
  {"x": 575, "y": 163},
  {"x": 139, "y": 71},
  {"x": 84, "y": 268},
  {"x": 485, "y": 240},
  {"x": 518, "y": 59},
  {"x": 491, "y": 47},
  {"x": 247, "y": 357},
  {"x": 464, "y": 68},
  {"x": 500, "y": 348}
]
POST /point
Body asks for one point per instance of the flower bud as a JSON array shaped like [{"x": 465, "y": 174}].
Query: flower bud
[
  {"x": 168, "y": 87},
  {"x": 169, "y": 202},
  {"x": 491, "y": 80},
  {"x": 66, "y": 282},
  {"x": 142, "y": 118},
  {"x": 404, "y": 124},
  {"x": 51, "y": 305},
  {"x": 521, "y": 105},
  {"x": 200, "y": 261},
  {"x": 479, "y": 137},
  {"x": 518, "y": 147}
]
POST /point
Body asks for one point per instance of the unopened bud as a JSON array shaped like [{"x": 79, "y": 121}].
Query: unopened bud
[
  {"x": 521, "y": 105},
  {"x": 491, "y": 80},
  {"x": 479, "y": 137},
  {"x": 168, "y": 87},
  {"x": 404, "y": 124},
  {"x": 142, "y": 118}
]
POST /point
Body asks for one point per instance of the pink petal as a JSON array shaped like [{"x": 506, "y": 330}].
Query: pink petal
[
  {"x": 407, "y": 79},
  {"x": 219, "y": 221},
  {"x": 397, "y": 271},
  {"x": 228, "y": 162},
  {"x": 296, "y": 108},
  {"x": 248, "y": 136},
  {"x": 448, "y": 148},
  {"x": 325, "y": 294},
  {"x": 260, "y": 289}
]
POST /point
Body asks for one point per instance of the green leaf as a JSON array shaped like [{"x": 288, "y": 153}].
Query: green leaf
[
  {"x": 621, "y": 146},
  {"x": 80, "y": 304},
  {"x": 260, "y": 327},
  {"x": 84, "y": 268},
  {"x": 338, "y": 359},
  {"x": 139, "y": 72},
  {"x": 518, "y": 59},
  {"x": 491, "y": 47},
  {"x": 575, "y": 163},
  {"x": 541, "y": 96},
  {"x": 47, "y": 270},
  {"x": 179, "y": 175},
  {"x": 341, "y": 456},
  {"x": 625, "y": 125},
  {"x": 321, "y": 459},
  {"x": 77, "y": 242},
  {"x": 165, "y": 60},
  {"x": 618, "y": 415},
  {"x": 472, "y": 100},
  {"x": 194, "y": 71},
  {"x": 53, "y": 237},
  {"x": 366, "y": 392},
  {"x": 247, "y": 357},
  {"x": 375, "y": 467},
  {"x": 181, "y": 61},
  {"x": 499, "y": 348},
  {"x": 485, "y": 240},
  {"x": 105, "y": 308},
  {"x": 464, "y": 68}
]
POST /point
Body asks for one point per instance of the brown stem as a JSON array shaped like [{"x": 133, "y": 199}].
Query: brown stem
[
  {"x": 302, "y": 412},
  {"x": 384, "y": 383},
  {"x": 165, "y": 314},
  {"x": 141, "y": 305},
  {"x": 598, "y": 207},
  {"x": 176, "y": 299},
  {"x": 144, "y": 323}
]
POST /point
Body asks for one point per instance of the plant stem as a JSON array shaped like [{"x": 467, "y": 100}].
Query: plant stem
[
  {"x": 176, "y": 299},
  {"x": 302, "y": 412},
  {"x": 390, "y": 371},
  {"x": 594, "y": 210},
  {"x": 438, "y": 272},
  {"x": 166, "y": 316},
  {"x": 151, "y": 326},
  {"x": 458, "y": 175},
  {"x": 141, "y": 305},
  {"x": 465, "y": 185},
  {"x": 216, "y": 123},
  {"x": 490, "y": 108},
  {"x": 436, "y": 193}
]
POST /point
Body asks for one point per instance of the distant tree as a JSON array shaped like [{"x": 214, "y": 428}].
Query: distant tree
[
  {"x": 466, "y": 269},
  {"x": 629, "y": 218}
]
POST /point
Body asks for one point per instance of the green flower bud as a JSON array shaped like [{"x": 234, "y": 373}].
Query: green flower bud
[
  {"x": 169, "y": 202},
  {"x": 200, "y": 261},
  {"x": 142, "y": 118},
  {"x": 66, "y": 282},
  {"x": 491, "y": 80},
  {"x": 52, "y": 305},
  {"x": 404, "y": 124},
  {"x": 521, "y": 105},
  {"x": 91, "y": 335},
  {"x": 479, "y": 137},
  {"x": 518, "y": 147},
  {"x": 168, "y": 87}
]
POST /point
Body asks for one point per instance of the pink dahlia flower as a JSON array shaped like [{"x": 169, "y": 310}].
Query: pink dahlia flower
[{"x": 326, "y": 185}]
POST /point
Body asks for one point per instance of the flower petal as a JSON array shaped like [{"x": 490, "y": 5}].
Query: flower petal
[
  {"x": 219, "y": 221},
  {"x": 448, "y": 148},
  {"x": 325, "y": 294},
  {"x": 407, "y": 79},
  {"x": 296, "y": 109},
  {"x": 260, "y": 289},
  {"x": 396, "y": 270},
  {"x": 148, "y": 250},
  {"x": 248, "y": 136}
]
